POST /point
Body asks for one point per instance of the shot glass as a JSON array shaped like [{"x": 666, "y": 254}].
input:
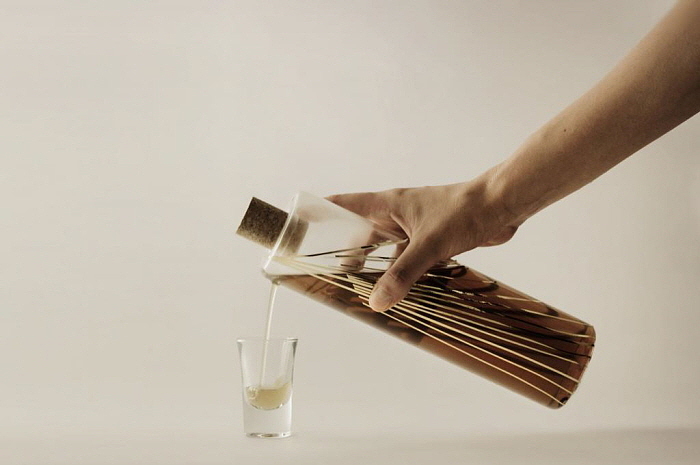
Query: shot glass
[{"x": 267, "y": 367}]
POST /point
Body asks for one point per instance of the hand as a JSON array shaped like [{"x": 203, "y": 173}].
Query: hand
[{"x": 440, "y": 222}]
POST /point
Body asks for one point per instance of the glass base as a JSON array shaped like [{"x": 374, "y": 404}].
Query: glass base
[{"x": 269, "y": 435}]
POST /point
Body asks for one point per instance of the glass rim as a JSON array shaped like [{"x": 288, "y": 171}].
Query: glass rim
[{"x": 263, "y": 338}]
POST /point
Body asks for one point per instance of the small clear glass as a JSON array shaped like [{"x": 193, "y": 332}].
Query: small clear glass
[{"x": 267, "y": 368}]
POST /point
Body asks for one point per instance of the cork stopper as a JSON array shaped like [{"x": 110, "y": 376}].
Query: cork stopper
[{"x": 262, "y": 223}]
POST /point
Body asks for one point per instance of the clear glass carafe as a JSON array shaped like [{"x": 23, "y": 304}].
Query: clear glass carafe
[{"x": 454, "y": 312}]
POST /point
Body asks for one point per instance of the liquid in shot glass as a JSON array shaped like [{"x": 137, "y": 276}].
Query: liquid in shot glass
[{"x": 267, "y": 367}]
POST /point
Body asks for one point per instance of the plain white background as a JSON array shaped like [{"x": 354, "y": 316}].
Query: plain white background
[{"x": 134, "y": 133}]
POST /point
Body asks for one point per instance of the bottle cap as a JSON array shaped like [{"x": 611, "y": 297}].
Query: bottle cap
[{"x": 262, "y": 223}]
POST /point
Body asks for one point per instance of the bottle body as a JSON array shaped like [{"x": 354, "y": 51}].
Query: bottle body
[
  {"x": 453, "y": 312},
  {"x": 460, "y": 315}
]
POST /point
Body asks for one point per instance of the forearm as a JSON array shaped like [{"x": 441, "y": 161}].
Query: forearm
[{"x": 651, "y": 91}]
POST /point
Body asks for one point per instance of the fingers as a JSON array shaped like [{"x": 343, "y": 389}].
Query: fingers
[
  {"x": 363, "y": 204},
  {"x": 355, "y": 259},
  {"x": 398, "y": 279},
  {"x": 374, "y": 206}
]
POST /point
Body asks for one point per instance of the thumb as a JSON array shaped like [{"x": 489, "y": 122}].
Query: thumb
[{"x": 398, "y": 279}]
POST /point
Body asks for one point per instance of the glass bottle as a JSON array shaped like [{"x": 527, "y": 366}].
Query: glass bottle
[{"x": 454, "y": 312}]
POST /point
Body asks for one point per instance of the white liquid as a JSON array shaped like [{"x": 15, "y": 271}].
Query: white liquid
[
  {"x": 275, "y": 423},
  {"x": 268, "y": 326},
  {"x": 267, "y": 409}
]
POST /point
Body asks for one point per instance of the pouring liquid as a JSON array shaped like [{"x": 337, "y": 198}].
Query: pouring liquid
[
  {"x": 335, "y": 256},
  {"x": 261, "y": 396}
]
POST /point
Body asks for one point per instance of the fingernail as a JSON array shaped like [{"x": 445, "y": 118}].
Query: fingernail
[{"x": 380, "y": 300}]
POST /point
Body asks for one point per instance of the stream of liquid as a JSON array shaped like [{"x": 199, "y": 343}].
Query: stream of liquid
[
  {"x": 276, "y": 394},
  {"x": 268, "y": 327}
]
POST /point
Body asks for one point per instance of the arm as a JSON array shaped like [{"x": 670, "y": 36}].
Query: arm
[{"x": 652, "y": 90}]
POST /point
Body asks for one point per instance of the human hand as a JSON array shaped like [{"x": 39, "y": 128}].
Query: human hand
[{"x": 439, "y": 221}]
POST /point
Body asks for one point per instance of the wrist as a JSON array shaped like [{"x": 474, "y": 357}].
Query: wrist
[
  {"x": 540, "y": 172},
  {"x": 500, "y": 199},
  {"x": 483, "y": 216}
]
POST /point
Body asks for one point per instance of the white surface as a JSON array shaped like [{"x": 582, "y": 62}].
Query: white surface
[
  {"x": 133, "y": 135},
  {"x": 614, "y": 447}
]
